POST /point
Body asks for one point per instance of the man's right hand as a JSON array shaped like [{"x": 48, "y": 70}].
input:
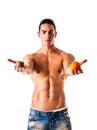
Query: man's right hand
[
  {"x": 26, "y": 66},
  {"x": 19, "y": 65}
]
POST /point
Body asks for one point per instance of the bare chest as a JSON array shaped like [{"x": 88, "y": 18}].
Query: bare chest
[{"x": 51, "y": 64}]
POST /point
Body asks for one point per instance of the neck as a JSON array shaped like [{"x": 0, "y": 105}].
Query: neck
[{"x": 48, "y": 49}]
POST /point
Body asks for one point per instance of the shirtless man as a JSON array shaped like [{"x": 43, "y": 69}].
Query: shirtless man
[{"x": 48, "y": 68}]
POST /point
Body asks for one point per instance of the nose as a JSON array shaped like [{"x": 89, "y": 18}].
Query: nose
[{"x": 47, "y": 35}]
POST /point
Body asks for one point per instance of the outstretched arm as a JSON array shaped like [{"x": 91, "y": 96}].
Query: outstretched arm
[{"x": 25, "y": 66}]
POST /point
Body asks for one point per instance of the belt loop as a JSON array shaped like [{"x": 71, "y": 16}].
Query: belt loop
[
  {"x": 38, "y": 114},
  {"x": 60, "y": 113}
]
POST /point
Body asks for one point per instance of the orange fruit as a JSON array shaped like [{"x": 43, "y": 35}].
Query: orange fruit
[{"x": 75, "y": 65}]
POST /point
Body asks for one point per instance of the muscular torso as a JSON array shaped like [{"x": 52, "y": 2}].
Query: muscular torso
[{"x": 48, "y": 77}]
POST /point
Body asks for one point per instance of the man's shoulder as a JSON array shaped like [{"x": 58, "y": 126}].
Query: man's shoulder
[
  {"x": 63, "y": 53},
  {"x": 31, "y": 55}
]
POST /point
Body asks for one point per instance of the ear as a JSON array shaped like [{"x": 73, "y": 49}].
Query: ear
[
  {"x": 38, "y": 34},
  {"x": 55, "y": 34}
]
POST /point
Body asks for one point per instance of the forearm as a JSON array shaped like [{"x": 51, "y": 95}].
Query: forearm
[{"x": 68, "y": 71}]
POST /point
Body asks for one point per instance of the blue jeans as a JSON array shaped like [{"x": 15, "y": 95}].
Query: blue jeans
[{"x": 41, "y": 120}]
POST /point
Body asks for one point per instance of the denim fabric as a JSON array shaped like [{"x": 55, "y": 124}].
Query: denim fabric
[{"x": 41, "y": 120}]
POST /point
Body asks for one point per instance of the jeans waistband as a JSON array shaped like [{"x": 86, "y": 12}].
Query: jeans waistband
[
  {"x": 59, "y": 112},
  {"x": 64, "y": 108}
]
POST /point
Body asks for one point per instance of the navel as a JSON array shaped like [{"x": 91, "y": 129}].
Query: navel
[{"x": 59, "y": 71}]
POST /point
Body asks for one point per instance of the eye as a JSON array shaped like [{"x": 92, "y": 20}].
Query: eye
[
  {"x": 43, "y": 31},
  {"x": 51, "y": 32}
]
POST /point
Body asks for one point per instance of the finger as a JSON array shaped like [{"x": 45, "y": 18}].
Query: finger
[
  {"x": 75, "y": 72},
  {"x": 12, "y": 61},
  {"x": 84, "y": 61},
  {"x": 80, "y": 71}
]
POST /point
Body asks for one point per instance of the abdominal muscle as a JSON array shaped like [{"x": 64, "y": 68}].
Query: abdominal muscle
[{"x": 48, "y": 94}]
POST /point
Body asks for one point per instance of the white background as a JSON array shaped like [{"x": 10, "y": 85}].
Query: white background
[{"x": 76, "y": 22}]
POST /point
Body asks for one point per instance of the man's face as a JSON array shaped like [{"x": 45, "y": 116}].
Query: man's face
[{"x": 47, "y": 34}]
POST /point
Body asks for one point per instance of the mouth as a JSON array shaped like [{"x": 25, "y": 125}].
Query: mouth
[{"x": 49, "y": 40}]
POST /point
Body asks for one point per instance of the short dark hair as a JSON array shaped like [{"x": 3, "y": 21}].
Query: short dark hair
[{"x": 47, "y": 21}]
